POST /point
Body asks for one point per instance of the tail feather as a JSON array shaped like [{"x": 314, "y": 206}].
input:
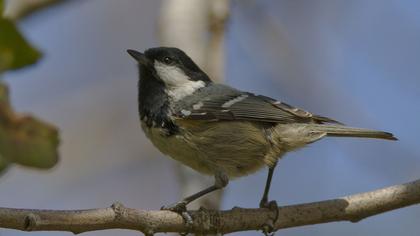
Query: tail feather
[{"x": 344, "y": 131}]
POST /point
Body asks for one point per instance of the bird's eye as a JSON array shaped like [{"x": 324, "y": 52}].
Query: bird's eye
[{"x": 167, "y": 60}]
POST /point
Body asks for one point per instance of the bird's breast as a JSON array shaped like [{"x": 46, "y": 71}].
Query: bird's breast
[
  {"x": 178, "y": 146},
  {"x": 161, "y": 122}
]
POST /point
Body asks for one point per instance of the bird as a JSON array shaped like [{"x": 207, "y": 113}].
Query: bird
[{"x": 218, "y": 130}]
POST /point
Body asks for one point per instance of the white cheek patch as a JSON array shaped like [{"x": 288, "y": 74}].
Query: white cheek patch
[
  {"x": 170, "y": 74},
  {"x": 177, "y": 82},
  {"x": 180, "y": 91}
]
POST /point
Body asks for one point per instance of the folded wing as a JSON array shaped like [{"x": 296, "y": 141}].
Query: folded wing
[{"x": 220, "y": 102}]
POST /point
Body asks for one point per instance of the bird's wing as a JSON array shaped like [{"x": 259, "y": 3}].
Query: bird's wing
[{"x": 225, "y": 103}]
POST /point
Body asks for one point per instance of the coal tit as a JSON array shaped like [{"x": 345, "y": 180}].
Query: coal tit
[{"x": 218, "y": 130}]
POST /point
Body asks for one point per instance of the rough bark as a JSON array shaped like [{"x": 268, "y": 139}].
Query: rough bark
[{"x": 350, "y": 208}]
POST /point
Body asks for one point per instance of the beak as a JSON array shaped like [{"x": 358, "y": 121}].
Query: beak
[{"x": 139, "y": 57}]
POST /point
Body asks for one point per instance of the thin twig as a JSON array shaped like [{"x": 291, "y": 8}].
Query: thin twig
[{"x": 350, "y": 208}]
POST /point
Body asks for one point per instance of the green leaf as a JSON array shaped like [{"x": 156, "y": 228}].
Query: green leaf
[
  {"x": 26, "y": 140},
  {"x": 15, "y": 51}
]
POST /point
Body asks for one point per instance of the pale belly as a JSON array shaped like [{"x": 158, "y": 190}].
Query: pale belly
[
  {"x": 235, "y": 148},
  {"x": 178, "y": 148}
]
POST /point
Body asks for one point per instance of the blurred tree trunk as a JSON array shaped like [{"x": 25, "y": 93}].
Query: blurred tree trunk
[
  {"x": 18, "y": 9},
  {"x": 197, "y": 27}
]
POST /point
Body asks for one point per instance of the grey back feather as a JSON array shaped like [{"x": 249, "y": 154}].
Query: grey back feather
[{"x": 221, "y": 102}]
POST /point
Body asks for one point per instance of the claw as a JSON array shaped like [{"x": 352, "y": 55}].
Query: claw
[
  {"x": 268, "y": 227},
  {"x": 264, "y": 202},
  {"x": 180, "y": 208}
]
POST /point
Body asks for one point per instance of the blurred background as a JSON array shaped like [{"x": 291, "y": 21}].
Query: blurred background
[{"x": 355, "y": 61}]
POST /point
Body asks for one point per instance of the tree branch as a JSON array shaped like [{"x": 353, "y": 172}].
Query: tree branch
[{"x": 351, "y": 208}]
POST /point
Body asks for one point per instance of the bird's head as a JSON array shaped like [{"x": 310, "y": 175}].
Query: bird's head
[{"x": 179, "y": 74}]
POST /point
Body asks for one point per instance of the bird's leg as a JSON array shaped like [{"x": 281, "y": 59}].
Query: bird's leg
[
  {"x": 221, "y": 180},
  {"x": 264, "y": 200},
  {"x": 272, "y": 205}
]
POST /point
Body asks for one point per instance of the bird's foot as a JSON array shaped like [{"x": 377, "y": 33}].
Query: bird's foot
[
  {"x": 180, "y": 208},
  {"x": 268, "y": 227}
]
